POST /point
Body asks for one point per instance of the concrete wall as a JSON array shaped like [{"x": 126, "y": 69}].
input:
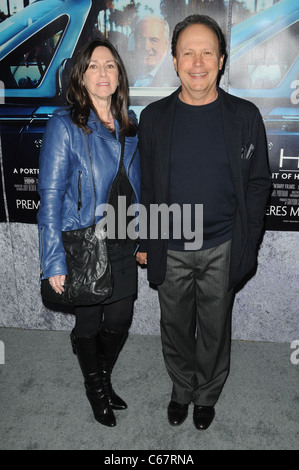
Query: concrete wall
[{"x": 266, "y": 309}]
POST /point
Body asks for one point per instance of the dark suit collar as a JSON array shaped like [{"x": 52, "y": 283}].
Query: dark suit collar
[
  {"x": 233, "y": 134},
  {"x": 165, "y": 120},
  {"x": 232, "y": 125},
  {"x": 228, "y": 109},
  {"x": 225, "y": 100},
  {"x": 169, "y": 101},
  {"x": 163, "y": 128}
]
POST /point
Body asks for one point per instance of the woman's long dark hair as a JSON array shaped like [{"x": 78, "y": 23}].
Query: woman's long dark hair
[{"x": 78, "y": 97}]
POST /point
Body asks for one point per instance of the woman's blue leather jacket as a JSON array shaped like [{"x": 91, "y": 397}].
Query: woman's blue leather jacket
[{"x": 75, "y": 176}]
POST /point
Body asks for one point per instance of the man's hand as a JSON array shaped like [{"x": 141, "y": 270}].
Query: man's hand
[{"x": 141, "y": 258}]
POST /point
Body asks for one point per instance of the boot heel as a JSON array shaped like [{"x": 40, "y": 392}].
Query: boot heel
[
  {"x": 101, "y": 409},
  {"x": 114, "y": 400}
]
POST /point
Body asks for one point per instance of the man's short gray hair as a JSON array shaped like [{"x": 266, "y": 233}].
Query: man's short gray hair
[{"x": 158, "y": 19}]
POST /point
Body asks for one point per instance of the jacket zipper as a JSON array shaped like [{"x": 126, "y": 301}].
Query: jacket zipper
[
  {"x": 93, "y": 183},
  {"x": 129, "y": 167},
  {"x": 131, "y": 161},
  {"x": 110, "y": 189},
  {"x": 79, "y": 190},
  {"x": 42, "y": 252}
]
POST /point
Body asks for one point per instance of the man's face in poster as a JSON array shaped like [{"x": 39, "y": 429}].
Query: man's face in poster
[{"x": 152, "y": 41}]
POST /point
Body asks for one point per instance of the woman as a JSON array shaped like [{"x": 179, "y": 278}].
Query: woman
[{"x": 89, "y": 157}]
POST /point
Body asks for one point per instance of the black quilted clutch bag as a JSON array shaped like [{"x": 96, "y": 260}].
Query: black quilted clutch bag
[{"x": 89, "y": 280}]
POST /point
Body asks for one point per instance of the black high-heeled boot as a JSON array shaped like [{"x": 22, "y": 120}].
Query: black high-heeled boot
[
  {"x": 110, "y": 344},
  {"x": 86, "y": 350}
]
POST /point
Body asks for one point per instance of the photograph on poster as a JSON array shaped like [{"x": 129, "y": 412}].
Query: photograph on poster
[
  {"x": 33, "y": 37},
  {"x": 2, "y": 203},
  {"x": 38, "y": 41},
  {"x": 264, "y": 64}
]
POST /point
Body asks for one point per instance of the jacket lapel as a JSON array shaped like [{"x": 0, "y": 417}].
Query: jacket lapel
[
  {"x": 233, "y": 135},
  {"x": 232, "y": 126},
  {"x": 164, "y": 133}
]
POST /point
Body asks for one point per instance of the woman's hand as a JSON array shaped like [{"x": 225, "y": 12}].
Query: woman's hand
[
  {"x": 141, "y": 257},
  {"x": 57, "y": 283}
]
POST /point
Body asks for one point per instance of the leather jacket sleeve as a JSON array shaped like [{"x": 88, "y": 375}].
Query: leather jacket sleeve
[{"x": 53, "y": 176}]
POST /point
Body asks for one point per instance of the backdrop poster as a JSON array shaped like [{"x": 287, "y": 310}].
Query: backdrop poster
[
  {"x": 264, "y": 65},
  {"x": 21, "y": 143},
  {"x": 283, "y": 139},
  {"x": 38, "y": 43},
  {"x": 2, "y": 207}
]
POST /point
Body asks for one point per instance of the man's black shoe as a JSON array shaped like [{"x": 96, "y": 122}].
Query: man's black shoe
[
  {"x": 203, "y": 416},
  {"x": 177, "y": 413}
]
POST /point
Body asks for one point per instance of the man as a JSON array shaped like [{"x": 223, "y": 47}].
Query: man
[
  {"x": 151, "y": 64},
  {"x": 201, "y": 145}
]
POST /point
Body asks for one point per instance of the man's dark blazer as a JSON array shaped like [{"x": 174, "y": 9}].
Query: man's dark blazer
[{"x": 247, "y": 151}]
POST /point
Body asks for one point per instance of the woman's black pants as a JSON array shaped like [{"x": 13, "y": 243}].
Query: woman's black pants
[{"x": 116, "y": 317}]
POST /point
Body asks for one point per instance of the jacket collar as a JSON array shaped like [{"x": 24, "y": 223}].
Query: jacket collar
[
  {"x": 225, "y": 100},
  {"x": 223, "y": 95},
  {"x": 233, "y": 131},
  {"x": 95, "y": 125},
  {"x": 232, "y": 125}
]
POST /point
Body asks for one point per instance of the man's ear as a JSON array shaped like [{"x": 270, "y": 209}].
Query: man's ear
[
  {"x": 175, "y": 65},
  {"x": 221, "y": 61}
]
